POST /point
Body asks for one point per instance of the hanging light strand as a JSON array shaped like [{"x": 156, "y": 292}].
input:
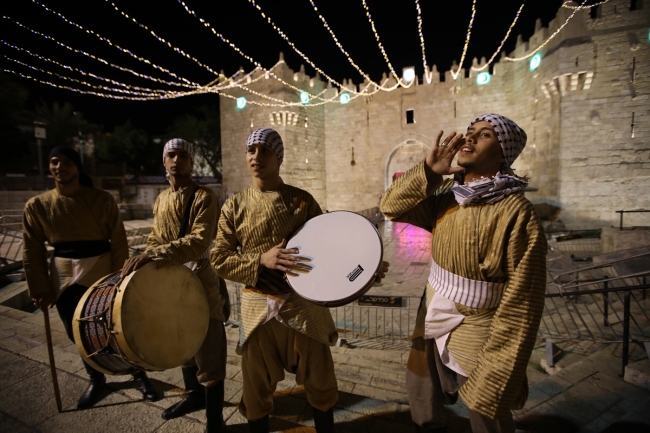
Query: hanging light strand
[
  {"x": 237, "y": 49},
  {"x": 293, "y": 46},
  {"x": 568, "y": 6},
  {"x": 108, "y": 41},
  {"x": 347, "y": 55},
  {"x": 85, "y": 83},
  {"x": 99, "y": 59},
  {"x": 160, "y": 39},
  {"x": 543, "y": 44},
  {"x": 455, "y": 74},
  {"x": 381, "y": 48},
  {"x": 89, "y": 92},
  {"x": 503, "y": 41},
  {"x": 70, "y": 68}
]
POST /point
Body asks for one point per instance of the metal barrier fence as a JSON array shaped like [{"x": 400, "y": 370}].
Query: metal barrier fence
[
  {"x": 376, "y": 327},
  {"x": 605, "y": 302},
  {"x": 11, "y": 237}
]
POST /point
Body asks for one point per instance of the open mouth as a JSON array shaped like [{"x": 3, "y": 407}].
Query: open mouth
[{"x": 466, "y": 149}]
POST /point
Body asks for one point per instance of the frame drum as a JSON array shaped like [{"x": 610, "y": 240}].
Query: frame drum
[
  {"x": 154, "y": 319},
  {"x": 345, "y": 250}
]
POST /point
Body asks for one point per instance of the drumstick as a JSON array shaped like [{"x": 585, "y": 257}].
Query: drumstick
[{"x": 50, "y": 352}]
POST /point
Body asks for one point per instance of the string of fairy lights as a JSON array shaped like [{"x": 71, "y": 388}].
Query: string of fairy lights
[{"x": 181, "y": 86}]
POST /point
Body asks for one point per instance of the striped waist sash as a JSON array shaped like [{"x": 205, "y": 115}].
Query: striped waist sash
[{"x": 471, "y": 293}]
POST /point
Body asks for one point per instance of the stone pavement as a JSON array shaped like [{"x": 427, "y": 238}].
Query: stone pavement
[{"x": 584, "y": 392}]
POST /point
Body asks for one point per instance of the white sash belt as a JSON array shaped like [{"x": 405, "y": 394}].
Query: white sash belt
[
  {"x": 471, "y": 293},
  {"x": 443, "y": 316}
]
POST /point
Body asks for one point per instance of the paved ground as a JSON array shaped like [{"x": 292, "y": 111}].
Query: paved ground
[{"x": 584, "y": 394}]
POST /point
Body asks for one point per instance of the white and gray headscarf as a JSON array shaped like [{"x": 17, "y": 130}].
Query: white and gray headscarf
[
  {"x": 491, "y": 190},
  {"x": 511, "y": 137},
  {"x": 268, "y": 137},
  {"x": 177, "y": 143}
]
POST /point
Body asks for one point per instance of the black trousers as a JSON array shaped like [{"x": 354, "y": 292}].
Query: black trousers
[{"x": 66, "y": 306}]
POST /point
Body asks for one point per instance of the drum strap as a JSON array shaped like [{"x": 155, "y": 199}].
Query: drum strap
[{"x": 186, "y": 216}]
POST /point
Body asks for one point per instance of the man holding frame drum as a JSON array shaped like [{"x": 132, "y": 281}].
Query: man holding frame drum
[
  {"x": 483, "y": 301},
  {"x": 280, "y": 330},
  {"x": 184, "y": 228},
  {"x": 83, "y": 225}
]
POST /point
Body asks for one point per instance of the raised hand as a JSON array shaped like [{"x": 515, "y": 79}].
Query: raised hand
[{"x": 439, "y": 159}]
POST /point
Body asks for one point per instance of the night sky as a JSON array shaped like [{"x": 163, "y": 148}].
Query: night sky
[{"x": 444, "y": 28}]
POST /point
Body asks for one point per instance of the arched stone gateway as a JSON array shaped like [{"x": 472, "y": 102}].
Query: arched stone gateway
[{"x": 404, "y": 156}]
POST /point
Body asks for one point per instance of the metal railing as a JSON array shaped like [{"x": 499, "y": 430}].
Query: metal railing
[
  {"x": 622, "y": 212},
  {"x": 605, "y": 302},
  {"x": 11, "y": 237},
  {"x": 359, "y": 325}
]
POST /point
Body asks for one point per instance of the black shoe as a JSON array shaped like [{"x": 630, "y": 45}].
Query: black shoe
[
  {"x": 90, "y": 397},
  {"x": 420, "y": 429},
  {"x": 144, "y": 385},
  {"x": 259, "y": 425},
  {"x": 194, "y": 396},
  {"x": 214, "y": 408},
  {"x": 323, "y": 420}
]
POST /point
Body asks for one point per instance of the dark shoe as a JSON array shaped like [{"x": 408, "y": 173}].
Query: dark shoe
[
  {"x": 420, "y": 429},
  {"x": 259, "y": 425},
  {"x": 214, "y": 408},
  {"x": 194, "y": 396},
  {"x": 144, "y": 385},
  {"x": 323, "y": 420},
  {"x": 90, "y": 397}
]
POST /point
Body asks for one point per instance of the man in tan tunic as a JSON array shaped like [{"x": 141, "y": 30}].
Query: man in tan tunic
[
  {"x": 482, "y": 305},
  {"x": 83, "y": 225},
  {"x": 203, "y": 375},
  {"x": 280, "y": 331}
]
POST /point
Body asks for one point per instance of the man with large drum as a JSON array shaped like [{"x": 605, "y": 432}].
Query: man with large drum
[
  {"x": 83, "y": 225},
  {"x": 184, "y": 228}
]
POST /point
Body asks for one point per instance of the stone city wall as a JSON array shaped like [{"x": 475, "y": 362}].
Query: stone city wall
[{"x": 576, "y": 107}]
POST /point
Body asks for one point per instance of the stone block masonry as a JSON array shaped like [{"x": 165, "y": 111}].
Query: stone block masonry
[{"x": 586, "y": 110}]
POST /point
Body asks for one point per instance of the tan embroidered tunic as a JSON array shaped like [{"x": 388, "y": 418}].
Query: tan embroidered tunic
[
  {"x": 89, "y": 214},
  {"x": 500, "y": 242},
  {"x": 163, "y": 244},
  {"x": 252, "y": 222}
]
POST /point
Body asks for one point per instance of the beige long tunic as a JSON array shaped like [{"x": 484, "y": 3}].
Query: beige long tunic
[
  {"x": 89, "y": 214},
  {"x": 252, "y": 222},
  {"x": 164, "y": 246},
  {"x": 501, "y": 242}
]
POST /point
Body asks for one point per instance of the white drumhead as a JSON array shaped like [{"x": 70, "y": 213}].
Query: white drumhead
[{"x": 345, "y": 251}]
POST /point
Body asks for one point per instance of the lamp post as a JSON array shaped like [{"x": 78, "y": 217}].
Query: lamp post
[{"x": 39, "y": 133}]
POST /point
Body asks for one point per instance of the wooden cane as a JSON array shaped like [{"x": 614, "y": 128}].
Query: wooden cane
[{"x": 50, "y": 352}]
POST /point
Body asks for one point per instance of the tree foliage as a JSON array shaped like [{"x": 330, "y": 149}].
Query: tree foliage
[
  {"x": 16, "y": 123},
  {"x": 203, "y": 131},
  {"x": 130, "y": 148},
  {"x": 63, "y": 123}
]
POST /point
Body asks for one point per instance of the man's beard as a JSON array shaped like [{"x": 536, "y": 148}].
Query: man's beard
[{"x": 70, "y": 180}]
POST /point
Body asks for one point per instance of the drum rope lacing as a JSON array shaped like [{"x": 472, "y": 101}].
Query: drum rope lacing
[{"x": 108, "y": 327}]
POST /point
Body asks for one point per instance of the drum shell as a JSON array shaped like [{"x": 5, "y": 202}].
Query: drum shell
[{"x": 158, "y": 320}]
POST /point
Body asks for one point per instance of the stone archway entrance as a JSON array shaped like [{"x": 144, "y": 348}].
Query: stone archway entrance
[{"x": 404, "y": 156}]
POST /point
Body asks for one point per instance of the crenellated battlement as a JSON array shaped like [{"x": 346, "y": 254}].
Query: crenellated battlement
[{"x": 584, "y": 103}]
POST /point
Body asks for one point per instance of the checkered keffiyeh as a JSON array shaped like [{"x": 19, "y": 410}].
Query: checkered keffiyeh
[
  {"x": 179, "y": 143},
  {"x": 511, "y": 137},
  {"x": 269, "y": 137}
]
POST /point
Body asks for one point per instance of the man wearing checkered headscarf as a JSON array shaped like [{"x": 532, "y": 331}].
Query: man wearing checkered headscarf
[
  {"x": 511, "y": 137},
  {"x": 279, "y": 331},
  {"x": 484, "y": 298},
  {"x": 183, "y": 232},
  {"x": 268, "y": 137}
]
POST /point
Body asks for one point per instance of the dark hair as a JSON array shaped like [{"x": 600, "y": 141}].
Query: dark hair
[{"x": 73, "y": 156}]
